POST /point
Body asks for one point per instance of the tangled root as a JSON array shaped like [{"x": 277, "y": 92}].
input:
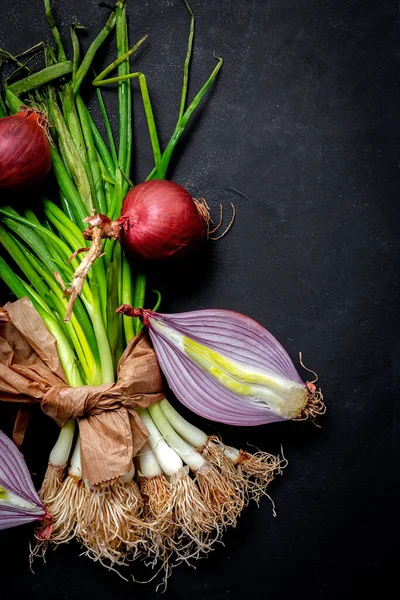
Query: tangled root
[
  {"x": 158, "y": 512},
  {"x": 49, "y": 490},
  {"x": 159, "y": 524},
  {"x": 314, "y": 406},
  {"x": 259, "y": 469},
  {"x": 204, "y": 211},
  {"x": 165, "y": 522},
  {"x": 224, "y": 499},
  {"x": 249, "y": 473},
  {"x": 197, "y": 529},
  {"x": 110, "y": 524},
  {"x": 65, "y": 509},
  {"x": 213, "y": 452},
  {"x": 52, "y": 482}
]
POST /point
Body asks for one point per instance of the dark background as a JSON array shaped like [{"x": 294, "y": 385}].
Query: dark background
[{"x": 304, "y": 122}]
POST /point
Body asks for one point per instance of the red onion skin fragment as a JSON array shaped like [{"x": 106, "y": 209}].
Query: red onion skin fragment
[
  {"x": 25, "y": 157},
  {"x": 160, "y": 221}
]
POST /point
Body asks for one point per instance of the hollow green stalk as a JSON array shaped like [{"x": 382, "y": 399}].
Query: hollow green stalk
[
  {"x": 99, "y": 200},
  {"x": 42, "y": 281},
  {"x": 107, "y": 125},
  {"x": 139, "y": 298},
  {"x": 101, "y": 147},
  {"x": 42, "y": 231},
  {"x": 84, "y": 341},
  {"x": 31, "y": 239},
  {"x": 18, "y": 257},
  {"x": 3, "y": 108},
  {"x": 69, "y": 108},
  {"x": 76, "y": 50},
  {"x": 54, "y": 31},
  {"x": 52, "y": 211},
  {"x": 93, "y": 297},
  {"x": 40, "y": 78},
  {"x": 124, "y": 99},
  {"x": 80, "y": 342},
  {"x": 127, "y": 297},
  {"x": 66, "y": 207},
  {"x": 181, "y": 125},
  {"x": 65, "y": 351},
  {"x": 186, "y": 65},
  {"x": 106, "y": 359},
  {"x": 74, "y": 126},
  {"x": 70, "y": 152},
  {"x": 108, "y": 183},
  {"x": 155, "y": 145},
  {"x": 68, "y": 189},
  {"x": 112, "y": 303},
  {"x": 32, "y": 218},
  {"x": 90, "y": 54}
]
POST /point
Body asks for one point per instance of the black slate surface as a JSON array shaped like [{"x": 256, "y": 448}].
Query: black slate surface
[{"x": 304, "y": 123}]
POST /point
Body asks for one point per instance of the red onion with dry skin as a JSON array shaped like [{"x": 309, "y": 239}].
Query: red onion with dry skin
[
  {"x": 25, "y": 157},
  {"x": 159, "y": 221}
]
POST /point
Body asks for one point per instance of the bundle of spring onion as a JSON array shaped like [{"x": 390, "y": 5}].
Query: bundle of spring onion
[{"x": 183, "y": 488}]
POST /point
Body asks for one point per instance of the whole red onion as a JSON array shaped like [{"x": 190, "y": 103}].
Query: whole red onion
[
  {"x": 25, "y": 157},
  {"x": 159, "y": 221}
]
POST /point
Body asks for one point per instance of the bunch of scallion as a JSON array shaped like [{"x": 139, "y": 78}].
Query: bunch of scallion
[{"x": 184, "y": 487}]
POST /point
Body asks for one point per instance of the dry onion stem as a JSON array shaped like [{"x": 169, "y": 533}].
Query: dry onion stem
[
  {"x": 314, "y": 405},
  {"x": 93, "y": 252}
]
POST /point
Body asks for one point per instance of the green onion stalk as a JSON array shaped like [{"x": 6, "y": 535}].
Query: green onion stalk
[{"x": 185, "y": 487}]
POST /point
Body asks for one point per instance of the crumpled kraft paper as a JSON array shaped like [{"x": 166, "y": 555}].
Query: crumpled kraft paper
[{"x": 111, "y": 431}]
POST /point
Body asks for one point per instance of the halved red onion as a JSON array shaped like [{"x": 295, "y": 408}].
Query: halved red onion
[
  {"x": 19, "y": 502},
  {"x": 226, "y": 367}
]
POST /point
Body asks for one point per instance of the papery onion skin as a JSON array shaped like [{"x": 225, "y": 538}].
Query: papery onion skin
[
  {"x": 226, "y": 367},
  {"x": 160, "y": 221},
  {"x": 25, "y": 157}
]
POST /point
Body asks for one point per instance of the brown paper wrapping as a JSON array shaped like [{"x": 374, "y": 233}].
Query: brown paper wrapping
[{"x": 111, "y": 430}]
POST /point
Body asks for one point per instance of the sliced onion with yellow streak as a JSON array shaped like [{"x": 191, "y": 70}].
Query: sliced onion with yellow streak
[
  {"x": 19, "y": 502},
  {"x": 226, "y": 367}
]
